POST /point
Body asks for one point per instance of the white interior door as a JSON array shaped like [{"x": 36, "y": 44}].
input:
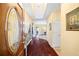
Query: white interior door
[{"x": 56, "y": 33}]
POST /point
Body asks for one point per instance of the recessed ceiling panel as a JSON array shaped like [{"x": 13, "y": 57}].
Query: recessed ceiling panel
[{"x": 40, "y": 10}]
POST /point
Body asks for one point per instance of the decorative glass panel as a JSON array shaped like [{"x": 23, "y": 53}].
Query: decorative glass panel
[{"x": 13, "y": 30}]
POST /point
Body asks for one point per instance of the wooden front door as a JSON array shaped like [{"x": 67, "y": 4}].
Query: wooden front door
[{"x": 12, "y": 33}]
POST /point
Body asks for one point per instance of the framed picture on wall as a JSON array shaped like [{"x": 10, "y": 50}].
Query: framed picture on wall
[
  {"x": 72, "y": 20},
  {"x": 50, "y": 26}
]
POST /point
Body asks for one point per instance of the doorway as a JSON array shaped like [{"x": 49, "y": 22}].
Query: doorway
[
  {"x": 56, "y": 33},
  {"x": 40, "y": 29}
]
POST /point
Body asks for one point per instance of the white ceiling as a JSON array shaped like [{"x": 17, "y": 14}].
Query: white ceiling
[{"x": 40, "y": 11}]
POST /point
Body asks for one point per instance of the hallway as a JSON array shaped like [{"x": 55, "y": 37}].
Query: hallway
[
  {"x": 20, "y": 40},
  {"x": 40, "y": 47},
  {"x": 39, "y": 29}
]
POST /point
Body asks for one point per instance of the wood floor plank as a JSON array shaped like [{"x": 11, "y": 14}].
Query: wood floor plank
[{"x": 40, "y": 47}]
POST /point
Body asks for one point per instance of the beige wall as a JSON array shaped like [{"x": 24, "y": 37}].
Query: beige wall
[
  {"x": 27, "y": 18},
  {"x": 52, "y": 17},
  {"x": 69, "y": 39}
]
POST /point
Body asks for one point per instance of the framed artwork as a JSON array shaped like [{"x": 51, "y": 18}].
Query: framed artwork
[
  {"x": 50, "y": 26},
  {"x": 72, "y": 20}
]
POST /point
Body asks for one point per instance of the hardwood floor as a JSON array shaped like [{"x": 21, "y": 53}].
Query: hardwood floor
[{"x": 40, "y": 47}]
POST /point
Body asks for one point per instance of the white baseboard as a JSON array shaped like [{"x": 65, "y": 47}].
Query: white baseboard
[{"x": 29, "y": 41}]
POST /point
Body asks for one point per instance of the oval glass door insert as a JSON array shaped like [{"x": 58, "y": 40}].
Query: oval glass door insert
[{"x": 13, "y": 30}]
